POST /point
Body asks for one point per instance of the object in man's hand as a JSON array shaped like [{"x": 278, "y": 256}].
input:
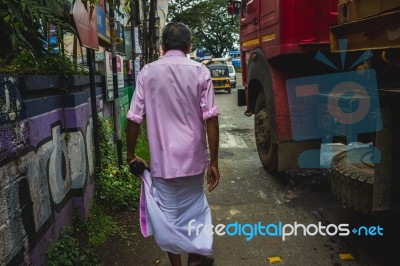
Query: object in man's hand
[{"x": 136, "y": 168}]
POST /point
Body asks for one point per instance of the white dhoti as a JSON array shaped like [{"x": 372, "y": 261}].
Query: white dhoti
[{"x": 168, "y": 206}]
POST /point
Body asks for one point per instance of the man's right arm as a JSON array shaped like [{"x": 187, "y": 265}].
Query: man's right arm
[
  {"x": 134, "y": 119},
  {"x": 132, "y": 134}
]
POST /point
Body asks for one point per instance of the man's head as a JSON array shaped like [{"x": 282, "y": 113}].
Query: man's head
[{"x": 176, "y": 36}]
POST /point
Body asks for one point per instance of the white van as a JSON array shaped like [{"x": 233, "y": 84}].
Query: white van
[{"x": 232, "y": 76}]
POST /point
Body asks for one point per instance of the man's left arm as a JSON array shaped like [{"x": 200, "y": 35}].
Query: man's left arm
[{"x": 213, "y": 144}]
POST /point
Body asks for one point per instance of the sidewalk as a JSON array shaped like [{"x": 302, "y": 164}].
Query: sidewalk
[{"x": 136, "y": 250}]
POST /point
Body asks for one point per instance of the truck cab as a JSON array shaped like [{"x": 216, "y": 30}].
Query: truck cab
[{"x": 278, "y": 41}]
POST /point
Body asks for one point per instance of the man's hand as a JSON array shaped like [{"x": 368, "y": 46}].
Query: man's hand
[
  {"x": 212, "y": 177},
  {"x": 136, "y": 159}
]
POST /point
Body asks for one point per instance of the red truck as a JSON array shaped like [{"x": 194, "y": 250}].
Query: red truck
[{"x": 294, "y": 49}]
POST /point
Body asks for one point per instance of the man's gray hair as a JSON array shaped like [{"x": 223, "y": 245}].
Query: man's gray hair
[{"x": 176, "y": 36}]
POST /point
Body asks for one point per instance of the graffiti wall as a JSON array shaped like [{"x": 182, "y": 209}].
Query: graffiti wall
[{"x": 46, "y": 166}]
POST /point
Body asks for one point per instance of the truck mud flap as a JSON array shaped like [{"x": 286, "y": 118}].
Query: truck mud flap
[
  {"x": 241, "y": 100},
  {"x": 289, "y": 152}
]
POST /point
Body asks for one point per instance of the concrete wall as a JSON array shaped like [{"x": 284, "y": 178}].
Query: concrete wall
[{"x": 46, "y": 163}]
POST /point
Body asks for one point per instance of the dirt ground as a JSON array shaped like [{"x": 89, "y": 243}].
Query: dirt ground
[{"x": 134, "y": 251}]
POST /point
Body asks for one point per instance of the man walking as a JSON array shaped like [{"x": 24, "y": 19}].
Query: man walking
[{"x": 175, "y": 96}]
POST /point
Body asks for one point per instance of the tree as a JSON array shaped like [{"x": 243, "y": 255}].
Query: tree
[
  {"x": 218, "y": 35},
  {"x": 24, "y": 25},
  {"x": 210, "y": 23},
  {"x": 189, "y": 12}
]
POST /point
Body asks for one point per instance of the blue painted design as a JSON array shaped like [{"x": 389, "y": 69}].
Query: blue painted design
[{"x": 340, "y": 104}]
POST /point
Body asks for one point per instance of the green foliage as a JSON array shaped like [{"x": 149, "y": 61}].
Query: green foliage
[
  {"x": 116, "y": 187},
  {"x": 189, "y": 12},
  {"x": 213, "y": 28},
  {"x": 77, "y": 243},
  {"x": 67, "y": 251},
  {"x": 142, "y": 145},
  {"x": 24, "y": 24},
  {"x": 100, "y": 226},
  {"x": 108, "y": 152},
  {"x": 48, "y": 64},
  {"x": 218, "y": 35}
]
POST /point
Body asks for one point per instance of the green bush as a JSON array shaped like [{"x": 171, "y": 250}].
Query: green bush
[
  {"x": 77, "y": 243},
  {"x": 99, "y": 226},
  {"x": 67, "y": 251},
  {"x": 142, "y": 145},
  {"x": 48, "y": 64},
  {"x": 118, "y": 189}
]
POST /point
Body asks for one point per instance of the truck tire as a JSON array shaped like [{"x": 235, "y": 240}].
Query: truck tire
[
  {"x": 263, "y": 125},
  {"x": 352, "y": 183}
]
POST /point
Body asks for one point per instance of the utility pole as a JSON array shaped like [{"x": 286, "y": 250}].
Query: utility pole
[
  {"x": 116, "y": 109},
  {"x": 95, "y": 119},
  {"x": 134, "y": 5},
  {"x": 145, "y": 32},
  {"x": 152, "y": 20}
]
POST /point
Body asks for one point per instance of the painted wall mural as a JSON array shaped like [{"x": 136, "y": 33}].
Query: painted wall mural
[{"x": 46, "y": 168}]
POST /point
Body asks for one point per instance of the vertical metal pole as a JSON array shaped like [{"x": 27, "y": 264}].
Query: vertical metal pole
[
  {"x": 145, "y": 46},
  {"x": 134, "y": 17},
  {"x": 151, "y": 30},
  {"x": 116, "y": 109},
  {"x": 90, "y": 62}
]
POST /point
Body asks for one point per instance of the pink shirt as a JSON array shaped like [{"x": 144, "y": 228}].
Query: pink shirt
[{"x": 176, "y": 96}]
